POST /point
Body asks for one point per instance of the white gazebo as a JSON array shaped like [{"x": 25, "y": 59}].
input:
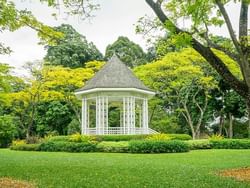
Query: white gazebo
[{"x": 115, "y": 84}]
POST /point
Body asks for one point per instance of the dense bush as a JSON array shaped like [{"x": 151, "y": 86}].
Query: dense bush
[
  {"x": 68, "y": 146},
  {"x": 113, "y": 147},
  {"x": 230, "y": 144},
  {"x": 117, "y": 138},
  {"x": 73, "y": 127},
  {"x": 159, "y": 137},
  {"x": 58, "y": 138},
  {"x": 7, "y": 130},
  {"x": 33, "y": 140},
  {"x": 199, "y": 144},
  {"x": 216, "y": 137},
  {"x": 148, "y": 146},
  {"x": 81, "y": 138},
  {"x": 26, "y": 147},
  {"x": 180, "y": 136}
]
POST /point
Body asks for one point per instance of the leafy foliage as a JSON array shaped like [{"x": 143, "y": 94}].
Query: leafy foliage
[
  {"x": 26, "y": 147},
  {"x": 199, "y": 144},
  {"x": 81, "y": 138},
  {"x": 7, "y": 130},
  {"x": 231, "y": 144},
  {"x": 158, "y": 137},
  {"x": 73, "y": 50},
  {"x": 113, "y": 147},
  {"x": 68, "y": 146},
  {"x": 129, "y": 52},
  {"x": 158, "y": 146}
]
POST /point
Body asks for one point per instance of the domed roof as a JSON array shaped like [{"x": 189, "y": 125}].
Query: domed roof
[{"x": 114, "y": 74}]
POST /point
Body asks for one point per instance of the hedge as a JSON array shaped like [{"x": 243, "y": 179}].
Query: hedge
[
  {"x": 230, "y": 144},
  {"x": 68, "y": 146},
  {"x": 59, "y": 138},
  {"x": 180, "y": 136},
  {"x": 117, "y": 138},
  {"x": 199, "y": 144},
  {"x": 113, "y": 147},
  {"x": 26, "y": 147},
  {"x": 148, "y": 146}
]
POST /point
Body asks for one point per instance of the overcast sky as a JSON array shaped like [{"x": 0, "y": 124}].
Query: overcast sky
[{"x": 115, "y": 18}]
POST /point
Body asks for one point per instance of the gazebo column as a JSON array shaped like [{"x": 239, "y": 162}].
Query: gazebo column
[
  {"x": 128, "y": 115},
  {"x": 84, "y": 116},
  {"x": 145, "y": 116},
  {"x": 101, "y": 115}
]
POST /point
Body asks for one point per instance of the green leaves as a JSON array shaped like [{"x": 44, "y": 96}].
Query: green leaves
[
  {"x": 73, "y": 50},
  {"x": 129, "y": 52}
]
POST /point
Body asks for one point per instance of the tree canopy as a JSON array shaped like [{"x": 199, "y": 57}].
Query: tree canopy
[
  {"x": 129, "y": 52},
  {"x": 73, "y": 50}
]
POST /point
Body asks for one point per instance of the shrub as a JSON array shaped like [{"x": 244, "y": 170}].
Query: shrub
[
  {"x": 26, "y": 147},
  {"x": 231, "y": 144},
  {"x": 81, "y": 138},
  {"x": 58, "y": 138},
  {"x": 199, "y": 144},
  {"x": 216, "y": 137},
  {"x": 148, "y": 146},
  {"x": 117, "y": 138},
  {"x": 68, "y": 146},
  {"x": 33, "y": 140},
  {"x": 18, "y": 142},
  {"x": 113, "y": 147},
  {"x": 159, "y": 137},
  {"x": 180, "y": 136},
  {"x": 7, "y": 130},
  {"x": 74, "y": 127}
]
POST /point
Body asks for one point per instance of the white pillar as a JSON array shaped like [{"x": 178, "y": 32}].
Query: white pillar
[
  {"x": 97, "y": 104},
  {"x": 106, "y": 114},
  {"x": 145, "y": 116},
  {"x": 128, "y": 115},
  {"x": 101, "y": 115},
  {"x": 124, "y": 115},
  {"x": 132, "y": 99},
  {"x": 84, "y": 116}
]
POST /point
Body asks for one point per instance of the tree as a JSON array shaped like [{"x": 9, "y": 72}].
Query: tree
[
  {"x": 182, "y": 84},
  {"x": 202, "y": 16},
  {"x": 12, "y": 19},
  {"x": 49, "y": 97},
  {"x": 129, "y": 52},
  {"x": 73, "y": 50},
  {"x": 7, "y": 130},
  {"x": 227, "y": 105}
]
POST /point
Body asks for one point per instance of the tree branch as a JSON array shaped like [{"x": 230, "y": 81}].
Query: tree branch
[
  {"x": 243, "y": 20},
  {"x": 229, "y": 25},
  {"x": 206, "y": 52}
]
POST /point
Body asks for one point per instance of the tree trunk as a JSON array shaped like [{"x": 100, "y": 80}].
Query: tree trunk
[
  {"x": 221, "y": 123},
  {"x": 230, "y": 130},
  {"x": 193, "y": 135}
]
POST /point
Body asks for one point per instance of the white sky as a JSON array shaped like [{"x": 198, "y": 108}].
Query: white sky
[{"x": 115, "y": 18}]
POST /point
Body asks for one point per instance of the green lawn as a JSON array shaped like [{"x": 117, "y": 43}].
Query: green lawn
[{"x": 194, "y": 169}]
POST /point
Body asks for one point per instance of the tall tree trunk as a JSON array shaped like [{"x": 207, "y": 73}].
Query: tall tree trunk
[
  {"x": 221, "y": 123},
  {"x": 230, "y": 130},
  {"x": 193, "y": 134}
]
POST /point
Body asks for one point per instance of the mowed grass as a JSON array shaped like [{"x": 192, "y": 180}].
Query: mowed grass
[{"x": 186, "y": 170}]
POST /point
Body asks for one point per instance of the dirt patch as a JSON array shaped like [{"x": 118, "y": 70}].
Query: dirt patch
[
  {"x": 12, "y": 183},
  {"x": 242, "y": 174}
]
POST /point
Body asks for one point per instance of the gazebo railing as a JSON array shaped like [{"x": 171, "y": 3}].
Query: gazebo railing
[{"x": 119, "y": 130}]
